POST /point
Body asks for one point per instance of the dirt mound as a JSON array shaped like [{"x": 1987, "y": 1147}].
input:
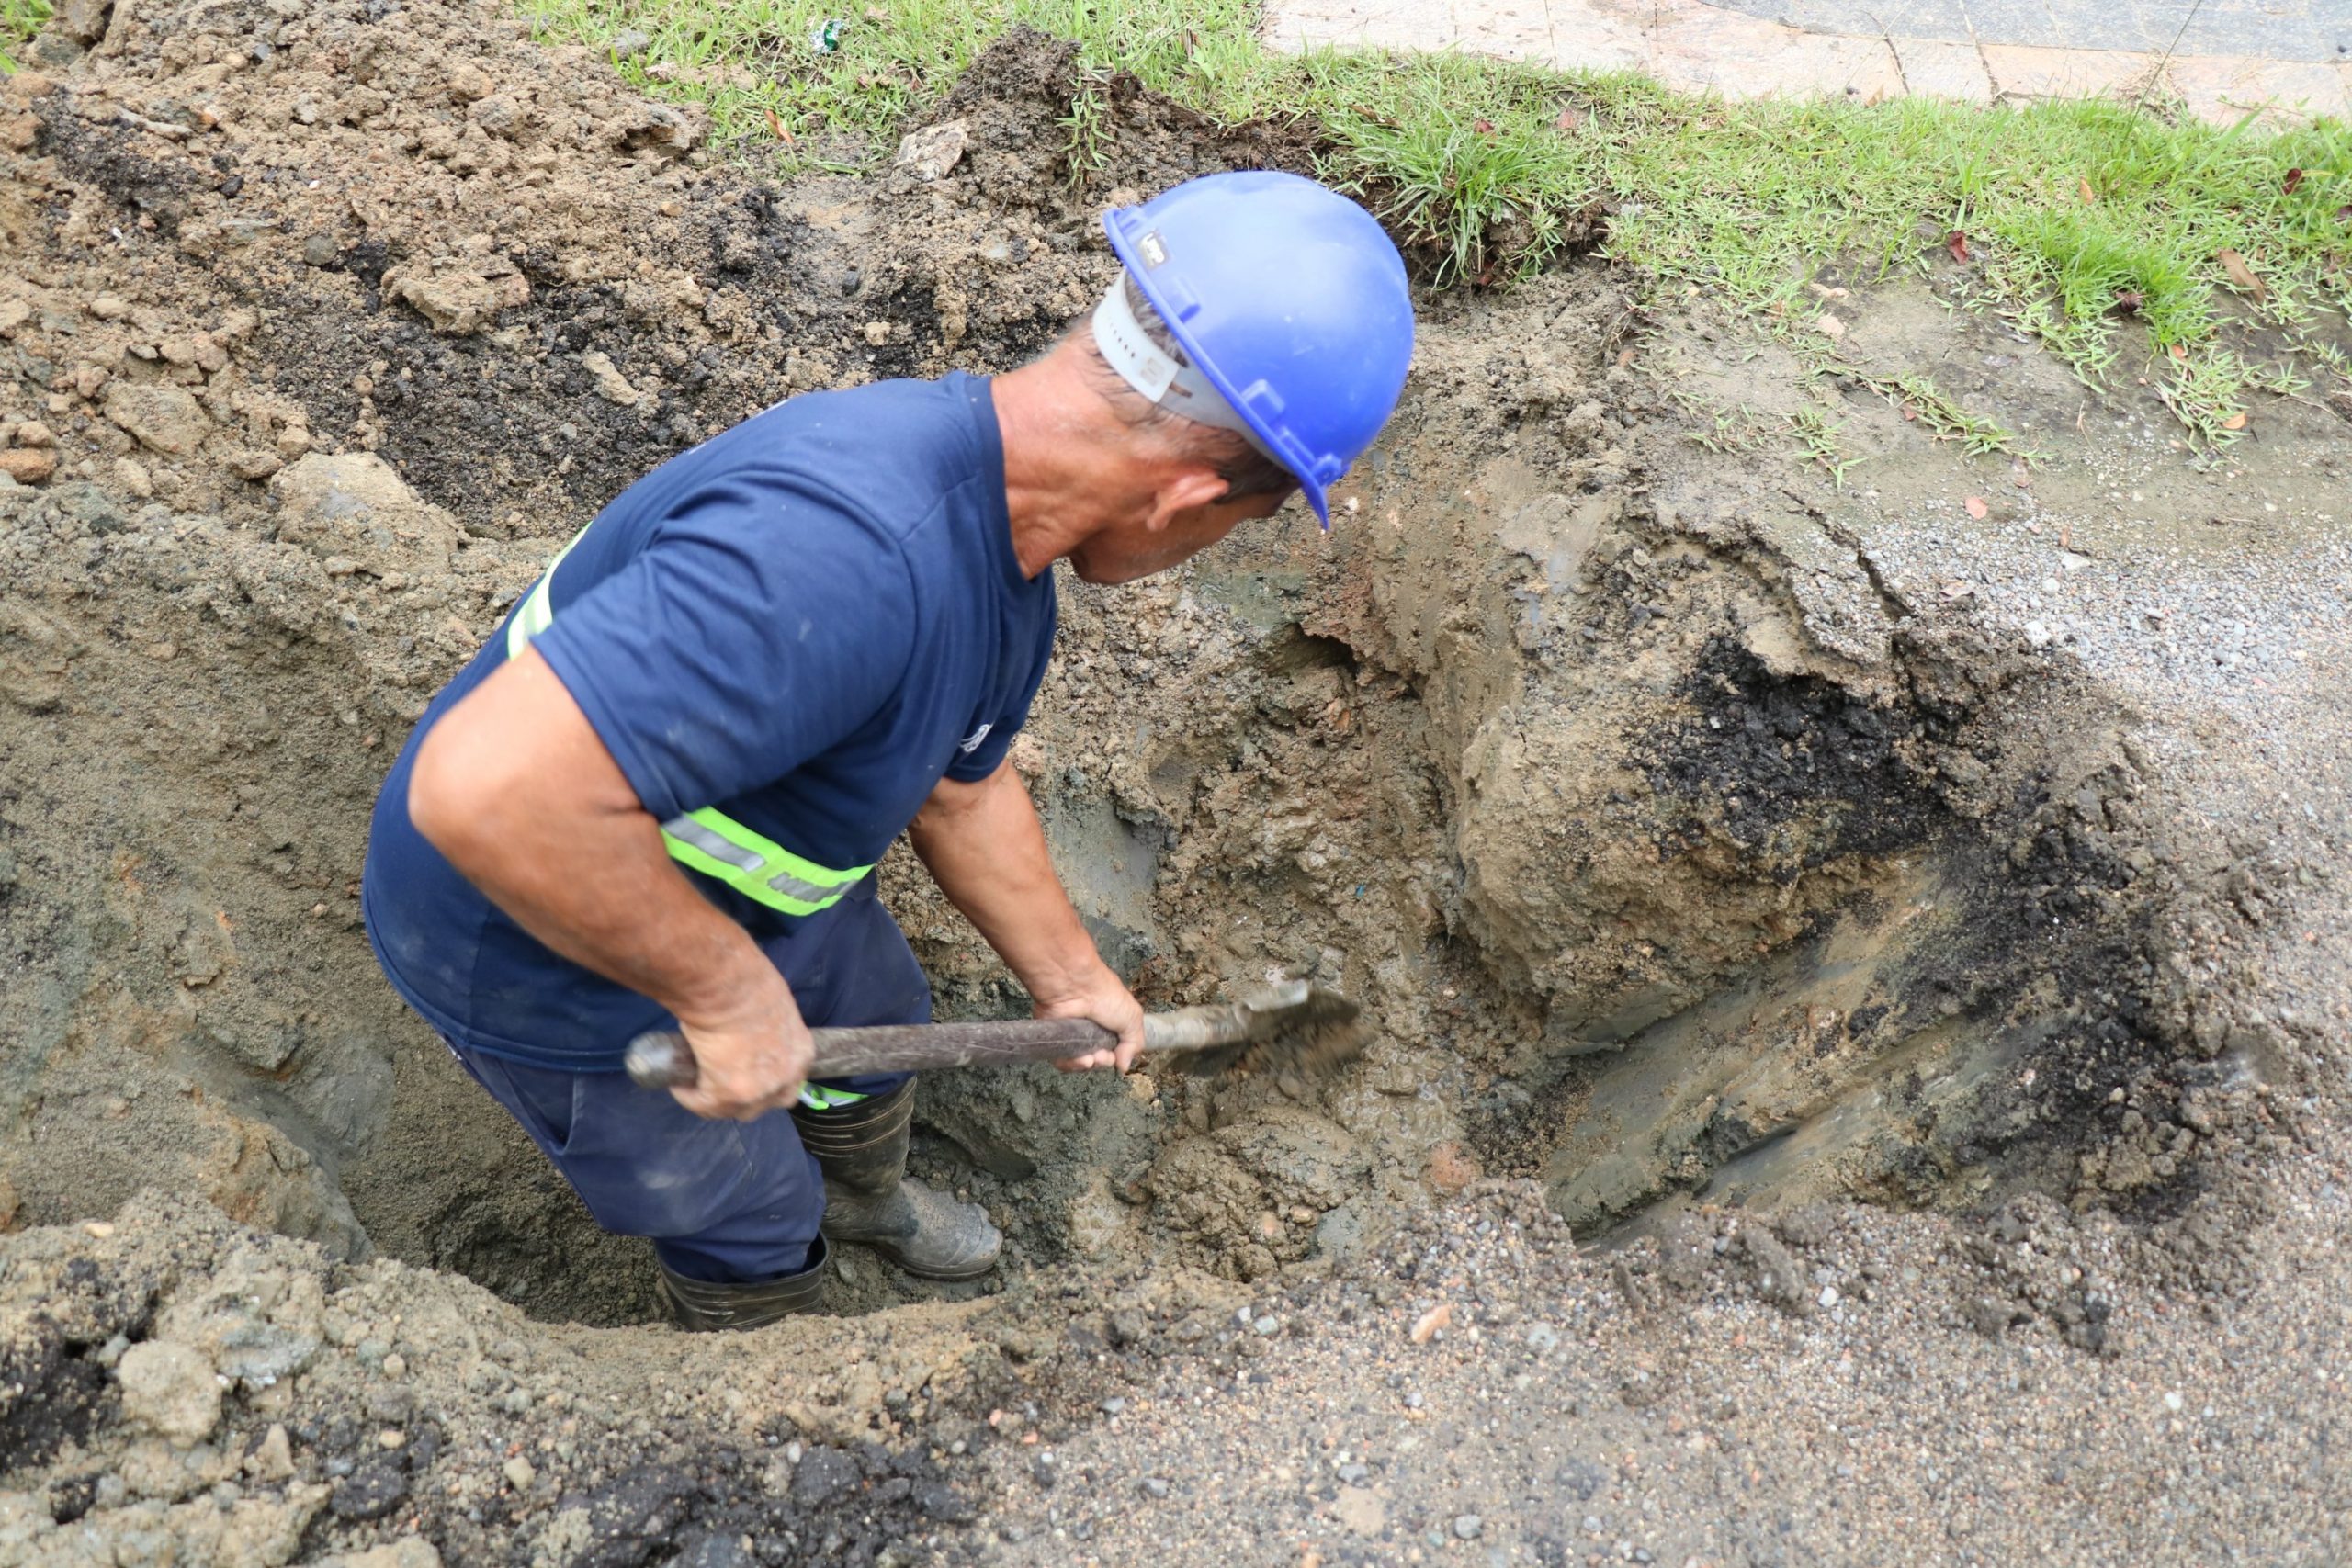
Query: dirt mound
[
  {"x": 1685, "y": 854},
  {"x": 254, "y": 1402}
]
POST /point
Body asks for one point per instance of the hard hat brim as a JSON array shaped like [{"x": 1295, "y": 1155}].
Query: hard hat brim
[{"x": 1124, "y": 228}]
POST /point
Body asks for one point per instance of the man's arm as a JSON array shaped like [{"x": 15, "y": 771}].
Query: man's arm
[
  {"x": 513, "y": 786},
  {"x": 986, "y": 848}
]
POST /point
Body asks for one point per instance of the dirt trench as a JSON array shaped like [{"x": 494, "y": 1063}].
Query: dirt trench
[
  {"x": 1673, "y": 854},
  {"x": 1678, "y": 855}
]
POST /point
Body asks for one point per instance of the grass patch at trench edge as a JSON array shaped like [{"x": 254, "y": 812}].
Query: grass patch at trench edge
[{"x": 2081, "y": 222}]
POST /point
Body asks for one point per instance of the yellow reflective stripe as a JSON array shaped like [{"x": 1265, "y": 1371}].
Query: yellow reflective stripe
[
  {"x": 538, "y": 613},
  {"x": 816, "y": 1097},
  {"x": 761, "y": 869}
]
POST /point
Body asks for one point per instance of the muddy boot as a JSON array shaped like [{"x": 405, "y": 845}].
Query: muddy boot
[
  {"x": 863, "y": 1150},
  {"x": 702, "y": 1304}
]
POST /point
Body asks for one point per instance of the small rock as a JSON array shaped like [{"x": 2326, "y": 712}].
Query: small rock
[
  {"x": 611, "y": 385},
  {"x": 84, "y": 21},
  {"x": 944, "y": 1504},
  {"x": 1153, "y": 1486},
  {"x": 109, "y": 308},
  {"x": 33, "y": 433},
  {"x": 1425, "y": 1326},
  {"x": 519, "y": 1472},
  {"x": 163, "y": 419},
  {"x": 371, "y": 1492},
  {"x": 1829, "y": 1295},
  {"x": 28, "y": 466},
  {"x": 132, "y": 475},
  {"x": 318, "y": 250},
  {"x": 877, "y": 332},
  {"x": 469, "y": 82},
  {"x": 409, "y": 1551},
  {"x": 932, "y": 152},
  {"x": 822, "y": 1474},
  {"x": 171, "y": 1390},
  {"x": 1113, "y": 1405},
  {"x": 497, "y": 113},
  {"x": 198, "y": 349},
  {"x": 254, "y": 464},
  {"x": 713, "y": 1549},
  {"x": 459, "y": 297},
  {"x": 1468, "y": 1526},
  {"x": 1266, "y": 1327},
  {"x": 273, "y": 1457}
]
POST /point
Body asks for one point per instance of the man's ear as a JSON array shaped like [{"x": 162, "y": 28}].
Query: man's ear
[{"x": 1195, "y": 484}]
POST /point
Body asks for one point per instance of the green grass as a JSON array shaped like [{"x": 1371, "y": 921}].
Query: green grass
[
  {"x": 19, "y": 19},
  {"x": 2098, "y": 226}
]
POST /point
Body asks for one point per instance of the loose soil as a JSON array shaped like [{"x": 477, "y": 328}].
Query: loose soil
[{"x": 1920, "y": 889}]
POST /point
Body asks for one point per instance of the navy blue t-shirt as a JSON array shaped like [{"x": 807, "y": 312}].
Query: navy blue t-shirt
[{"x": 803, "y": 624}]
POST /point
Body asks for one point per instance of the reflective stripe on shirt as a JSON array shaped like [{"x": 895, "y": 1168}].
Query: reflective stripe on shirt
[{"x": 761, "y": 869}]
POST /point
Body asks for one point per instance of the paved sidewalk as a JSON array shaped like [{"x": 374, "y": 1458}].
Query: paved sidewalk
[{"x": 2284, "y": 59}]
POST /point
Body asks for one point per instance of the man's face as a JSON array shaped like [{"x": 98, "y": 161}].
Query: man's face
[{"x": 1124, "y": 554}]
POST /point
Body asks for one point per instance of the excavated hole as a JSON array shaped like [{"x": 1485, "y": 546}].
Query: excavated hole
[
  {"x": 1646, "y": 894},
  {"x": 1666, "y": 872}
]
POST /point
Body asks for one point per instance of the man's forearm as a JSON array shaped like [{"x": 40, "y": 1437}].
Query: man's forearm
[{"x": 985, "y": 847}]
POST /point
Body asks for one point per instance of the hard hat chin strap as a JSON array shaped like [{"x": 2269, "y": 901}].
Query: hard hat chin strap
[{"x": 1158, "y": 376}]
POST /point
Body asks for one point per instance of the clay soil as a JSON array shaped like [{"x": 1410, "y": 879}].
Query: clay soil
[{"x": 1855, "y": 966}]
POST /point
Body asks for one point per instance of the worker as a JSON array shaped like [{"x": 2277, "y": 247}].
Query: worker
[{"x": 656, "y": 799}]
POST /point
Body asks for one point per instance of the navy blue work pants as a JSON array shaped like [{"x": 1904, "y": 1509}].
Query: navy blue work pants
[{"x": 721, "y": 1200}]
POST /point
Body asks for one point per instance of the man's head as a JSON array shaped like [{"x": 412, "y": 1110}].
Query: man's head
[
  {"x": 1254, "y": 345},
  {"x": 1205, "y": 478}
]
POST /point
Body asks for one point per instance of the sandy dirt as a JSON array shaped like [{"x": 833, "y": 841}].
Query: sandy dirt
[{"x": 1855, "y": 968}]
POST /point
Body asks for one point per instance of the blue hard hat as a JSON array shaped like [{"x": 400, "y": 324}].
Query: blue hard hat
[{"x": 1289, "y": 299}]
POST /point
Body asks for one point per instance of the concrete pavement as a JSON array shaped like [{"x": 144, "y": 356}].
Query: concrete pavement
[{"x": 2284, "y": 59}]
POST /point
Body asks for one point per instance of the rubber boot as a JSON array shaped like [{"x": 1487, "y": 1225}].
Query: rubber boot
[
  {"x": 703, "y": 1305},
  {"x": 861, "y": 1148}
]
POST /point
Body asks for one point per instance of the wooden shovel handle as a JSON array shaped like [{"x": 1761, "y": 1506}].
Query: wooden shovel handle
[{"x": 662, "y": 1058}]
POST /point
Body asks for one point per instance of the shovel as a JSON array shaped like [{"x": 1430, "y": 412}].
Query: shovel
[{"x": 1293, "y": 1027}]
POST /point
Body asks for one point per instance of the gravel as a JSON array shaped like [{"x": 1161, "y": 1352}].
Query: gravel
[{"x": 1894, "y": 1394}]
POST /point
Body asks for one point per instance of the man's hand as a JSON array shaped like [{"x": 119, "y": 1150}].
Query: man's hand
[
  {"x": 749, "y": 1061},
  {"x": 987, "y": 851},
  {"x": 1106, "y": 1001}
]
